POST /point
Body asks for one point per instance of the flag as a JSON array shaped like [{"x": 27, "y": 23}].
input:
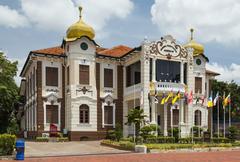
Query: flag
[
  {"x": 178, "y": 96},
  {"x": 163, "y": 99},
  {"x": 155, "y": 99},
  {"x": 226, "y": 100},
  {"x": 216, "y": 99},
  {"x": 186, "y": 97},
  {"x": 202, "y": 99},
  {"x": 210, "y": 101},
  {"x": 190, "y": 97},
  {"x": 169, "y": 96}
]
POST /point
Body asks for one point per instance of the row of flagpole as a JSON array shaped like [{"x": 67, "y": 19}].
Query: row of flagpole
[
  {"x": 226, "y": 102},
  {"x": 210, "y": 104}
]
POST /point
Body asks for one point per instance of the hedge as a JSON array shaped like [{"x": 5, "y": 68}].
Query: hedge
[
  {"x": 160, "y": 140},
  {"x": 42, "y": 139},
  {"x": 122, "y": 145},
  {"x": 7, "y": 144}
]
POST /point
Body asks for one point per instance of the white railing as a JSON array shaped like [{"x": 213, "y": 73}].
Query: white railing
[{"x": 168, "y": 86}]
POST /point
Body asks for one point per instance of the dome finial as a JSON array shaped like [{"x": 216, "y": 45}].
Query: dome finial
[
  {"x": 80, "y": 11},
  {"x": 191, "y": 30}
]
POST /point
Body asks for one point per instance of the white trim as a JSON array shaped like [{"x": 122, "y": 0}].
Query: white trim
[{"x": 114, "y": 114}]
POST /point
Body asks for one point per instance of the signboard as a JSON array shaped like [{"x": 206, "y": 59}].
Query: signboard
[
  {"x": 53, "y": 130},
  {"x": 206, "y": 136}
]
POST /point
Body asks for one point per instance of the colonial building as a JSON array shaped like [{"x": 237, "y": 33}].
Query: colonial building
[{"x": 87, "y": 89}]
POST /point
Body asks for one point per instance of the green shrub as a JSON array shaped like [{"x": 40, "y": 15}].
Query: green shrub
[
  {"x": 233, "y": 133},
  {"x": 127, "y": 139},
  {"x": 160, "y": 140},
  {"x": 125, "y": 145},
  {"x": 42, "y": 139},
  {"x": 185, "y": 140},
  {"x": 116, "y": 134},
  {"x": 147, "y": 131},
  {"x": 196, "y": 131},
  {"x": 7, "y": 144},
  {"x": 62, "y": 139},
  {"x": 175, "y": 132},
  {"x": 220, "y": 140}
]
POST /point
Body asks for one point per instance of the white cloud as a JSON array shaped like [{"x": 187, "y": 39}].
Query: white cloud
[
  {"x": 228, "y": 73},
  {"x": 98, "y": 13},
  {"x": 213, "y": 20},
  {"x": 11, "y": 18},
  {"x": 50, "y": 15},
  {"x": 58, "y": 15}
]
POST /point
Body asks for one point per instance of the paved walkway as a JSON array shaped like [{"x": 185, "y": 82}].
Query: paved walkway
[
  {"x": 222, "y": 156},
  {"x": 41, "y": 149}
]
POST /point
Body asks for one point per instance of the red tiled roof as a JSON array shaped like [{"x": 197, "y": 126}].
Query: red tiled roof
[
  {"x": 51, "y": 51},
  {"x": 116, "y": 51}
]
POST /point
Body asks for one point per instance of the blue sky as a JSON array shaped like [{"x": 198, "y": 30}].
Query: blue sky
[{"x": 29, "y": 25}]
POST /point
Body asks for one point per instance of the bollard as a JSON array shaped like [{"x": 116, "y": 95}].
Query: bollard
[{"x": 20, "y": 147}]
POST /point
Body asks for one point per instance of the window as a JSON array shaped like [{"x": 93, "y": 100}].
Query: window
[
  {"x": 198, "y": 62},
  {"x": 198, "y": 116},
  {"x": 108, "y": 78},
  {"x": 133, "y": 74},
  {"x": 167, "y": 71},
  {"x": 198, "y": 85},
  {"x": 84, "y": 46},
  {"x": 84, "y": 114},
  {"x": 83, "y": 74},
  {"x": 175, "y": 116},
  {"x": 185, "y": 73},
  {"x": 108, "y": 115},
  {"x": 52, "y": 114},
  {"x": 51, "y": 76},
  {"x": 151, "y": 70}
]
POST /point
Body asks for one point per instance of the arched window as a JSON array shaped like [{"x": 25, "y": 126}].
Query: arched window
[
  {"x": 84, "y": 114},
  {"x": 198, "y": 117}
]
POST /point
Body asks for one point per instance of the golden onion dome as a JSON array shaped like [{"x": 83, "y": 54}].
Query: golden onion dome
[
  {"x": 79, "y": 29},
  {"x": 197, "y": 47}
]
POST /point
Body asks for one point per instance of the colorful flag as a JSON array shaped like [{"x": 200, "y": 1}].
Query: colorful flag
[
  {"x": 178, "y": 96},
  {"x": 190, "y": 97},
  {"x": 226, "y": 100},
  {"x": 210, "y": 101},
  {"x": 155, "y": 100},
  {"x": 216, "y": 99},
  {"x": 163, "y": 99},
  {"x": 203, "y": 100},
  {"x": 169, "y": 96}
]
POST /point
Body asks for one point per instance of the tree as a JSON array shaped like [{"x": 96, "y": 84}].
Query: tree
[
  {"x": 136, "y": 117},
  {"x": 8, "y": 93},
  {"x": 234, "y": 89}
]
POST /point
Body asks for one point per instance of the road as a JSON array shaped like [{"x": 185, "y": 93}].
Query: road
[{"x": 221, "y": 156}]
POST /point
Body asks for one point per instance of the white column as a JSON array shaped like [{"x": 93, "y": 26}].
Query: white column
[
  {"x": 145, "y": 86},
  {"x": 153, "y": 105},
  {"x": 182, "y": 73},
  {"x": 165, "y": 132},
  {"x": 154, "y": 69}
]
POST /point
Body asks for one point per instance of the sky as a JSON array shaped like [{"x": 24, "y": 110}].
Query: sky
[{"x": 27, "y": 25}]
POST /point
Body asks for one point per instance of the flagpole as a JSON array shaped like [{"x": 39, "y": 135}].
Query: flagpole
[
  {"x": 229, "y": 125},
  {"x": 224, "y": 121},
  {"x": 134, "y": 126},
  {"x": 218, "y": 116},
  {"x": 211, "y": 122}
]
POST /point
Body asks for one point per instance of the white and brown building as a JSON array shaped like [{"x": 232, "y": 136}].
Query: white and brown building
[{"x": 86, "y": 89}]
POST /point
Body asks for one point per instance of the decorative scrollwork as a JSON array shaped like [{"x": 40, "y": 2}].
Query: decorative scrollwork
[{"x": 167, "y": 47}]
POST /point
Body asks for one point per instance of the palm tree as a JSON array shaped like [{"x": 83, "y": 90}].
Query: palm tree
[{"x": 136, "y": 117}]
